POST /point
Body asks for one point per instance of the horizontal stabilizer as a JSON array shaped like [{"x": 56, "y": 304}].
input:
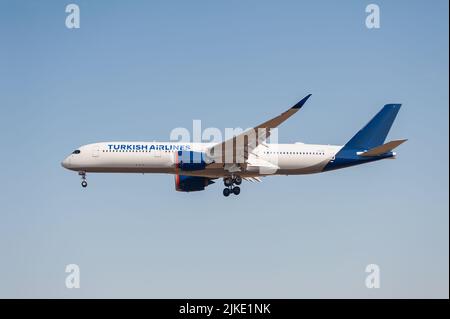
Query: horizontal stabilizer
[{"x": 382, "y": 149}]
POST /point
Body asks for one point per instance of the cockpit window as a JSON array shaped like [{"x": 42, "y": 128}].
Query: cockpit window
[{"x": 76, "y": 152}]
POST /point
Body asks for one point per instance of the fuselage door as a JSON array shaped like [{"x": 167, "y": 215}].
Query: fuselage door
[
  {"x": 155, "y": 153},
  {"x": 95, "y": 151}
]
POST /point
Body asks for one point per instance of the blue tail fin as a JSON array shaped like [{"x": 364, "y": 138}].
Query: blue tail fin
[{"x": 375, "y": 132}]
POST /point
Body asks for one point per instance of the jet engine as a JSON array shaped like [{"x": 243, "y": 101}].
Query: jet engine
[
  {"x": 191, "y": 183},
  {"x": 190, "y": 160}
]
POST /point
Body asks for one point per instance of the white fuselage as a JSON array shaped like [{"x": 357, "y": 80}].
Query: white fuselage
[{"x": 161, "y": 157}]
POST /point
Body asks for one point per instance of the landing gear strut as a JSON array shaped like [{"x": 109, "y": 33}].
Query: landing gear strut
[
  {"x": 83, "y": 179},
  {"x": 229, "y": 182}
]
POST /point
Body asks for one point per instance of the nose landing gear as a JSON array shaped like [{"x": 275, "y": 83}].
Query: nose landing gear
[
  {"x": 83, "y": 179},
  {"x": 229, "y": 182}
]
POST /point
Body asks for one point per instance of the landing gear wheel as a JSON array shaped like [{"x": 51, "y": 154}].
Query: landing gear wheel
[
  {"x": 236, "y": 190},
  {"x": 228, "y": 181},
  {"x": 238, "y": 180},
  {"x": 226, "y": 192},
  {"x": 84, "y": 183}
]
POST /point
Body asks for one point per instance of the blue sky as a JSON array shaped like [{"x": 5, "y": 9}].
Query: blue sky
[{"x": 137, "y": 69}]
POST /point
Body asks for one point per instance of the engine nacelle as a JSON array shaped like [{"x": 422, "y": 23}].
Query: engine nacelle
[
  {"x": 191, "y": 183},
  {"x": 190, "y": 161}
]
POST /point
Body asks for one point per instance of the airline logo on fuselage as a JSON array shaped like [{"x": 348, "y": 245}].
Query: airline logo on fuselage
[{"x": 149, "y": 147}]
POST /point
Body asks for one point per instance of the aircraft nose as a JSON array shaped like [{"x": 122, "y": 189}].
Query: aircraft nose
[{"x": 66, "y": 162}]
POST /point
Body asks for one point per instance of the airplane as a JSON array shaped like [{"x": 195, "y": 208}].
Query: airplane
[{"x": 246, "y": 156}]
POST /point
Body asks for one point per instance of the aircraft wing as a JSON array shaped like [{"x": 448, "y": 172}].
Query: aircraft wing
[{"x": 237, "y": 149}]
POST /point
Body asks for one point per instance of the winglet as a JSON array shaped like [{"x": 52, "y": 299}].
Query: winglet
[{"x": 300, "y": 104}]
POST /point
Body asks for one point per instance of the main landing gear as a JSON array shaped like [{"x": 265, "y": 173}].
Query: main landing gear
[
  {"x": 83, "y": 179},
  {"x": 229, "y": 182}
]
